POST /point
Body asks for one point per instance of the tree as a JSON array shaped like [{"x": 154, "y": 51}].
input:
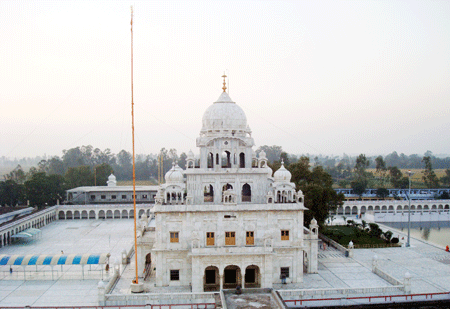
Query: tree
[
  {"x": 182, "y": 160},
  {"x": 388, "y": 235},
  {"x": 284, "y": 156},
  {"x": 316, "y": 185},
  {"x": 101, "y": 174},
  {"x": 429, "y": 177},
  {"x": 56, "y": 166},
  {"x": 17, "y": 175},
  {"x": 273, "y": 153},
  {"x": 445, "y": 180},
  {"x": 382, "y": 193},
  {"x": 380, "y": 167},
  {"x": 124, "y": 166},
  {"x": 73, "y": 157},
  {"x": 11, "y": 193},
  {"x": 42, "y": 190},
  {"x": 360, "y": 181},
  {"x": 397, "y": 179},
  {"x": 79, "y": 176},
  {"x": 143, "y": 167}
]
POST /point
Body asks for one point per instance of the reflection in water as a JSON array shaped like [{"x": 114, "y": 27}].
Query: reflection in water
[{"x": 434, "y": 232}]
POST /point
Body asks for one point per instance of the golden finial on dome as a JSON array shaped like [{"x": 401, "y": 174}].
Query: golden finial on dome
[{"x": 224, "y": 87}]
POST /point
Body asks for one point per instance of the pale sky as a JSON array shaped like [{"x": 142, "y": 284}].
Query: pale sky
[{"x": 327, "y": 77}]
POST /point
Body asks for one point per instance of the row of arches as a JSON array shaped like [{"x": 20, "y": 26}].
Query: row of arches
[
  {"x": 208, "y": 192},
  {"x": 100, "y": 214},
  {"x": 226, "y": 160},
  {"x": 231, "y": 277},
  {"x": 37, "y": 222},
  {"x": 360, "y": 210},
  {"x": 284, "y": 196}
]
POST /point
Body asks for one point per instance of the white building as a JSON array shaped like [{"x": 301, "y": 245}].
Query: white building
[
  {"x": 227, "y": 222},
  {"x": 110, "y": 194}
]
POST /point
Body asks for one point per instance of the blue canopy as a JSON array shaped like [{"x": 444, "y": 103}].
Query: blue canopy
[{"x": 58, "y": 259}]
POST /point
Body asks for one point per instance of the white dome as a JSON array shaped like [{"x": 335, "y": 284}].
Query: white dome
[
  {"x": 111, "y": 181},
  {"x": 262, "y": 155},
  {"x": 224, "y": 114},
  {"x": 190, "y": 155},
  {"x": 174, "y": 175},
  {"x": 282, "y": 174}
]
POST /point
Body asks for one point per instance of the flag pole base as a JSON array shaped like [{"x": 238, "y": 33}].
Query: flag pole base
[{"x": 137, "y": 287}]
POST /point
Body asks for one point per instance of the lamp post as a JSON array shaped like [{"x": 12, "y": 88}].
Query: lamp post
[{"x": 409, "y": 209}]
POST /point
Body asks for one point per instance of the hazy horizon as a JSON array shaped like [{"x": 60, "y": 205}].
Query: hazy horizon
[{"x": 327, "y": 77}]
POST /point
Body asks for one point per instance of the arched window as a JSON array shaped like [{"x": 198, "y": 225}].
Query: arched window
[
  {"x": 210, "y": 160},
  {"x": 209, "y": 194},
  {"x": 246, "y": 193},
  {"x": 217, "y": 159},
  {"x": 226, "y": 160},
  {"x": 242, "y": 160}
]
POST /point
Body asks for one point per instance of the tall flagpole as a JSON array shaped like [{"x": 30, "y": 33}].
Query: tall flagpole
[{"x": 134, "y": 167}]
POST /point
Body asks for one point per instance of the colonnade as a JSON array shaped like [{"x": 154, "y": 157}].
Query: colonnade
[{"x": 392, "y": 206}]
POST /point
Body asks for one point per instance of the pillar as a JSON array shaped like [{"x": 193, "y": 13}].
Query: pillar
[{"x": 407, "y": 283}]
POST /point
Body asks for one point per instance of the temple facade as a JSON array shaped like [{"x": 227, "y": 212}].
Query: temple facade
[{"x": 227, "y": 220}]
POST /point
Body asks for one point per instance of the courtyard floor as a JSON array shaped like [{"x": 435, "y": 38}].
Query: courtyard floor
[
  {"x": 68, "y": 288},
  {"x": 428, "y": 265}
]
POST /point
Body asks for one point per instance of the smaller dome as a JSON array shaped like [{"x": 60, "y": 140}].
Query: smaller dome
[
  {"x": 111, "y": 181},
  {"x": 190, "y": 155},
  {"x": 174, "y": 175},
  {"x": 262, "y": 155},
  {"x": 282, "y": 174},
  {"x": 313, "y": 221}
]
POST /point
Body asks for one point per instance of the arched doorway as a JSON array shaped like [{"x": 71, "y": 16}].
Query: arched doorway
[
  {"x": 231, "y": 277},
  {"x": 208, "y": 193},
  {"x": 252, "y": 277},
  {"x": 242, "y": 160},
  {"x": 226, "y": 159},
  {"x": 246, "y": 193},
  {"x": 211, "y": 279}
]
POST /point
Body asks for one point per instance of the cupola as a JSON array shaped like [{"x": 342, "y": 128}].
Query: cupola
[
  {"x": 282, "y": 174},
  {"x": 174, "y": 175}
]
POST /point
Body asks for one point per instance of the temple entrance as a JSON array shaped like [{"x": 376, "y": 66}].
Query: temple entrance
[
  {"x": 211, "y": 279},
  {"x": 252, "y": 277},
  {"x": 231, "y": 277}
]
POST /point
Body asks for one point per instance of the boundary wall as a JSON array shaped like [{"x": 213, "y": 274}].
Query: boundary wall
[{"x": 392, "y": 206}]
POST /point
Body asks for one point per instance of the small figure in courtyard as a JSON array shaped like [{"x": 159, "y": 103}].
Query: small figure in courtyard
[
  {"x": 62, "y": 252},
  {"x": 10, "y": 268},
  {"x": 447, "y": 249},
  {"x": 283, "y": 279},
  {"x": 324, "y": 246},
  {"x": 238, "y": 290}
]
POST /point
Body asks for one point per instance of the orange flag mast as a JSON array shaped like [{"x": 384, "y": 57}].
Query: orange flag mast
[{"x": 134, "y": 167}]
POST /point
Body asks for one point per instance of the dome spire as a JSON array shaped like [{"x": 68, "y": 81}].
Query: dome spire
[{"x": 224, "y": 83}]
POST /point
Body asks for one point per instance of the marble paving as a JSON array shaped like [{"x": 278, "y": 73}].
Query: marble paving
[{"x": 425, "y": 262}]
